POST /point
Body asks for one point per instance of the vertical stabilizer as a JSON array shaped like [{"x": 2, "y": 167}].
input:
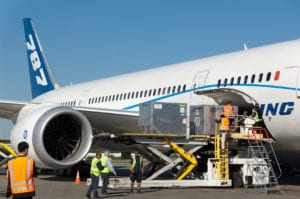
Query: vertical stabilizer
[{"x": 41, "y": 77}]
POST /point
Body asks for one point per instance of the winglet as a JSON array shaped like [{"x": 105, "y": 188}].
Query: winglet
[{"x": 41, "y": 77}]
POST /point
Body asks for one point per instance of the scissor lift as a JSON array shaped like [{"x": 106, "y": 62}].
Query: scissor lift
[{"x": 193, "y": 160}]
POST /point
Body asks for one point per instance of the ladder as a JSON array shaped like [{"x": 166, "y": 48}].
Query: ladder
[
  {"x": 261, "y": 149},
  {"x": 221, "y": 155}
]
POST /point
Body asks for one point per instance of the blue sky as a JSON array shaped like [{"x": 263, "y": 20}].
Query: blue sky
[{"x": 87, "y": 40}]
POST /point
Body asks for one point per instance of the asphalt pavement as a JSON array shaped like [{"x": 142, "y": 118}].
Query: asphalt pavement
[{"x": 48, "y": 186}]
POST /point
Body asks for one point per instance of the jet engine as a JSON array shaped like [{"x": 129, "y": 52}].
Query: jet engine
[{"x": 58, "y": 136}]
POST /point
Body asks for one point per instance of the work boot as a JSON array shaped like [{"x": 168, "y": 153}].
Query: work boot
[
  {"x": 104, "y": 193},
  {"x": 88, "y": 196},
  {"x": 131, "y": 191},
  {"x": 138, "y": 190}
]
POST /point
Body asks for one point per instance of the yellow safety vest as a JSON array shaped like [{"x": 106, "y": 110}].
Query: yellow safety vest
[
  {"x": 21, "y": 180},
  {"x": 134, "y": 161},
  {"x": 256, "y": 118},
  {"x": 94, "y": 168},
  {"x": 103, "y": 162}
]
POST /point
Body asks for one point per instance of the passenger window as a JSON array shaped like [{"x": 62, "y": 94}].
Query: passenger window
[
  {"x": 154, "y": 92},
  {"x": 178, "y": 88},
  {"x": 159, "y": 90},
  {"x": 225, "y": 82},
  {"x": 184, "y": 87},
  {"x": 145, "y": 93},
  {"x": 136, "y": 94},
  {"x": 169, "y": 90},
  {"x": 174, "y": 88},
  {"x": 260, "y": 77},
  {"x": 164, "y": 90},
  {"x": 277, "y": 75},
  {"x": 219, "y": 83},
  {"x": 141, "y": 94},
  {"x": 231, "y": 81},
  {"x": 239, "y": 80},
  {"x": 150, "y": 91},
  {"x": 253, "y": 79},
  {"x": 268, "y": 76},
  {"x": 132, "y": 95},
  {"x": 245, "y": 79}
]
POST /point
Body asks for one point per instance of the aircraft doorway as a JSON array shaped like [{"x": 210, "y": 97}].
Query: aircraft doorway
[{"x": 198, "y": 85}]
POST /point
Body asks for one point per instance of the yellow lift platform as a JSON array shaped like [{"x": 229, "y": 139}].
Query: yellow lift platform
[
  {"x": 6, "y": 153},
  {"x": 185, "y": 155}
]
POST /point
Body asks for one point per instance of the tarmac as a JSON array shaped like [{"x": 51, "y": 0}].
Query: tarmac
[{"x": 49, "y": 186}]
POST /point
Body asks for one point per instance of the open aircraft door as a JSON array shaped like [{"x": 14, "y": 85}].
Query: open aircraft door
[{"x": 198, "y": 85}]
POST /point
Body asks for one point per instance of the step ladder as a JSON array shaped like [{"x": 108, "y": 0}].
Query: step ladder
[{"x": 259, "y": 149}]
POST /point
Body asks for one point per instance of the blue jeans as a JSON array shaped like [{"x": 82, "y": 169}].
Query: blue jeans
[{"x": 94, "y": 186}]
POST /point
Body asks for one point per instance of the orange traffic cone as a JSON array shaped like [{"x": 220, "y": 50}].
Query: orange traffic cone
[{"x": 77, "y": 181}]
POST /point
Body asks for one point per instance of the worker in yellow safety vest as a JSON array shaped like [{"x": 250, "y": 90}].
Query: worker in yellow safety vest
[
  {"x": 95, "y": 172},
  {"x": 255, "y": 116},
  {"x": 136, "y": 170},
  {"x": 108, "y": 167},
  {"x": 21, "y": 171}
]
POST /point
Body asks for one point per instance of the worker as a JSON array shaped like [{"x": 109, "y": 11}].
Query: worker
[
  {"x": 223, "y": 128},
  {"x": 108, "y": 167},
  {"x": 95, "y": 172},
  {"x": 255, "y": 116},
  {"x": 21, "y": 171},
  {"x": 228, "y": 110},
  {"x": 241, "y": 121},
  {"x": 136, "y": 170}
]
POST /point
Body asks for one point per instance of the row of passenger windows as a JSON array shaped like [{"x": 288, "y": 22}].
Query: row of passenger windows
[
  {"x": 138, "y": 94},
  {"x": 69, "y": 103},
  {"x": 254, "y": 78}
]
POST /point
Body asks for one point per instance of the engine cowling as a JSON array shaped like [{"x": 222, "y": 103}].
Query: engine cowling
[{"x": 58, "y": 136}]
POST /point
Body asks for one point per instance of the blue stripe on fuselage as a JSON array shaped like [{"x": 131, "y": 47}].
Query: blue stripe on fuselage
[{"x": 212, "y": 86}]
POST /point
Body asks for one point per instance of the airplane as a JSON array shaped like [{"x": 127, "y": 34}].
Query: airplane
[{"x": 60, "y": 123}]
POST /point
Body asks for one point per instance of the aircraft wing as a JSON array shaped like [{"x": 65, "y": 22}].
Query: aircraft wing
[
  {"x": 111, "y": 120},
  {"x": 101, "y": 120},
  {"x": 9, "y": 108}
]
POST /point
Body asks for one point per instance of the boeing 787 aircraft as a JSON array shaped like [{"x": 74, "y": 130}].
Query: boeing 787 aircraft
[{"x": 60, "y": 122}]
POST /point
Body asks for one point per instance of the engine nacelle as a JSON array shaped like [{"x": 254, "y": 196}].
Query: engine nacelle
[{"x": 58, "y": 136}]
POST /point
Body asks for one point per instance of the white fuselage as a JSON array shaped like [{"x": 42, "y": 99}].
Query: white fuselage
[{"x": 267, "y": 75}]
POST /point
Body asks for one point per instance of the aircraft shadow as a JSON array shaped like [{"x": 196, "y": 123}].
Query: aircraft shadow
[{"x": 127, "y": 193}]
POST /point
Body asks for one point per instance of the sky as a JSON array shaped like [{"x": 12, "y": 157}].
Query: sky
[{"x": 88, "y": 40}]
